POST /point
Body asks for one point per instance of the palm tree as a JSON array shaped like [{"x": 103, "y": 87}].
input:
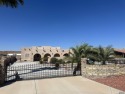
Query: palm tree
[
  {"x": 75, "y": 57},
  {"x": 86, "y": 50},
  {"x": 11, "y": 3},
  {"x": 79, "y": 52},
  {"x": 103, "y": 54},
  {"x": 75, "y": 54}
]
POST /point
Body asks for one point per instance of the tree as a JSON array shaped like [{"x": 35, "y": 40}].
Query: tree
[
  {"x": 11, "y": 3},
  {"x": 103, "y": 54},
  {"x": 75, "y": 57},
  {"x": 77, "y": 53},
  {"x": 86, "y": 50}
]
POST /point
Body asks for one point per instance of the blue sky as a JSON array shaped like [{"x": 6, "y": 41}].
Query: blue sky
[{"x": 64, "y": 23}]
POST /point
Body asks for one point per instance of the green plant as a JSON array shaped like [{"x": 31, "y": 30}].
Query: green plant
[
  {"x": 61, "y": 61},
  {"x": 68, "y": 62},
  {"x": 77, "y": 53},
  {"x": 103, "y": 54},
  {"x": 11, "y": 3},
  {"x": 53, "y": 60},
  {"x": 45, "y": 58},
  {"x": 41, "y": 61}
]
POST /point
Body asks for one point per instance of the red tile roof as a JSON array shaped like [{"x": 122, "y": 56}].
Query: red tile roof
[{"x": 120, "y": 50}]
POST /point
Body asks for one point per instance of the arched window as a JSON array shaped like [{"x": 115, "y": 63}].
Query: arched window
[
  {"x": 57, "y": 55},
  {"x": 66, "y": 55},
  {"x": 37, "y": 57},
  {"x": 46, "y": 57}
]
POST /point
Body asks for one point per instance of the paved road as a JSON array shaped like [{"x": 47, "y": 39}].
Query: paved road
[{"x": 64, "y": 85}]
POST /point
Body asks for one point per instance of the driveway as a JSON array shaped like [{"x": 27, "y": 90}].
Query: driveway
[{"x": 64, "y": 85}]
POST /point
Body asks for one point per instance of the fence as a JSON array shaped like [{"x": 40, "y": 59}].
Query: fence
[{"x": 36, "y": 71}]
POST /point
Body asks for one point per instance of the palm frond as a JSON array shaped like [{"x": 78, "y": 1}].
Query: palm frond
[{"x": 11, "y": 3}]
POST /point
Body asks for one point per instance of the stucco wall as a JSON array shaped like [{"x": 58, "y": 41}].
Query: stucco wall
[{"x": 27, "y": 54}]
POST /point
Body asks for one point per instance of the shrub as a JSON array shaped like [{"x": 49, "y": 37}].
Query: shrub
[
  {"x": 41, "y": 61},
  {"x": 68, "y": 62},
  {"x": 45, "y": 59},
  {"x": 54, "y": 60},
  {"x": 61, "y": 61}
]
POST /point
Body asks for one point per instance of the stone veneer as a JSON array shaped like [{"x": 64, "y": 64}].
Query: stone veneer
[
  {"x": 99, "y": 71},
  {"x": 83, "y": 66},
  {"x": 2, "y": 73}
]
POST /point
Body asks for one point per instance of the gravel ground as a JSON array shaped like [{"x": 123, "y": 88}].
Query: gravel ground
[{"x": 117, "y": 82}]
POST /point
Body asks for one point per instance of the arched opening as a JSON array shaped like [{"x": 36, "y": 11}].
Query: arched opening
[
  {"x": 57, "y": 55},
  {"x": 46, "y": 57},
  {"x": 37, "y": 57},
  {"x": 66, "y": 55}
]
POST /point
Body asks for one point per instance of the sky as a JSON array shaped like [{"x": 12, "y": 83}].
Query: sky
[{"x": 64, "y": 23}]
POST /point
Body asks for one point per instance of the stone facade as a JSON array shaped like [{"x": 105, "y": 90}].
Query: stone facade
[
  {"x": 2, "y": 71},
  {"x": 2, "y": 75},
  {"x": 83, "y": 66},
  {"x": 100, "y": 71},
  {"x": 37, "y": 52}
]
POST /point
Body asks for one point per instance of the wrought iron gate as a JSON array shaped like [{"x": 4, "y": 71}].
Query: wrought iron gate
[{"x": 36, "y": 71}]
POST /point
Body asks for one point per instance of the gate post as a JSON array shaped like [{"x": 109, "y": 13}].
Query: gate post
[
  {"x": 2, "y": 73},
  {"x": 83, "y": 66}
]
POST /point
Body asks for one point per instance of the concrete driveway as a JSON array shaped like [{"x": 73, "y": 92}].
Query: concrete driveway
[{"x": 64, "y": 85}]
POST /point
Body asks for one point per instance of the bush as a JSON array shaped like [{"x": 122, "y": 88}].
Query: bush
[
  {"x": 61, "y": 61},
  {"x": 45, "y": 59},
  {"x": 54, "y": 60},
  {"x": 41, "y": 61},
  {"x": 68, "y": 62}
]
